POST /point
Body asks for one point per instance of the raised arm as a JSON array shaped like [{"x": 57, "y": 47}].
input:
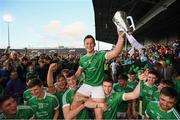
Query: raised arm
[
  {"x": 132, "y": 95},
  {"x": 117, "y": 50},
  {"x": 135, "y": 94},
  {"x": 52, "y": 68}
]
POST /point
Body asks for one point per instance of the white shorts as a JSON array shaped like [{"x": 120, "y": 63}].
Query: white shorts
[{"x": 91, "y": 91}]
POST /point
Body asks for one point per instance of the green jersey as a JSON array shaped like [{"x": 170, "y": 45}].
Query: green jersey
[
  {"x": 94, "y": 68},
  {"x": 44, "y": 108},
  {"x": 27, "y": 95},
  {"x": 148, "y": 95},
  {"x": 132, "y": 85},
  {"x": 153, "y": 111},
  {"x": 23, "y": 112},
  {"x": 118, "y": 88},
  {"x": 59, "y": 96},
  {"x": 124, "y": 104},
  {"x": 113, "y": 101},
  {"x": 156, "y": 96},
  {"x": 68, "y": 99}
]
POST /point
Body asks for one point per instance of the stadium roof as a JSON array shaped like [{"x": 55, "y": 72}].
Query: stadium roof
[{"x": 151, "y": 17}]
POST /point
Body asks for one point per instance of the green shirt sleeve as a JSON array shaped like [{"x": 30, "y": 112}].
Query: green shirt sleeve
[
  {"x": 147, "y": 111},
  {"x": 55, "y": 103}
]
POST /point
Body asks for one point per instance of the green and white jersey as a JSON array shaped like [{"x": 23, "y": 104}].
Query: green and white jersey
[
  {"x": 148, "y": 95},
  {"x": 68, "y": 99},
  {"x": 44, "y": 108},
  {"x": 153, "y": 111},
  {"x": 27, "y": 95},
  {"x": 59, "y": 96},
  {"x": 124, "y": 104},
  {"x": 23, "y": 112},
  {"x": 156, "y": 96},
  {"x": 113, "y": 101},
  {"x": 118, "y": 88},
  {"x": 94, "y": 68},
  {"x": 132, "y": 85}
]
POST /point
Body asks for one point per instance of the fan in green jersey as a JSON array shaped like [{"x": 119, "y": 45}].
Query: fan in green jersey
[
  {"x": 121, "y": 86},
  {"x": 132, "y": 104},
  {"x": 58, "y": 88},
  {"x": 163, "y": 109},
  {"x": 79, "y": 112},
  {"x": 10, "y": 110},
  {"x": 113, "y": 99},
  {"x": 44, "y": 104},
  {"x": 163, "y": 83},
  {"x": 148, "y": 89}
]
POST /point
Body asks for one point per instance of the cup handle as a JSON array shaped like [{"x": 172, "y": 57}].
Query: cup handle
[{"x": 132, "y": 22}]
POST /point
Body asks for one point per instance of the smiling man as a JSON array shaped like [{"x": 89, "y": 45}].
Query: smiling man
[
  {"x": 113, "y": 98},
  {"x": 44, "y": 104},
  {"x": 92, "y": 64},
  {"x": 163, "y": 109},
  {"x": 10, "y": 110},
  {"x": 79, "y": 112},
  {"x": 148, "y": 89}
]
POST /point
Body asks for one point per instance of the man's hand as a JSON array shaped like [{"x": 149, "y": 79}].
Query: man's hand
[
  {"x": 103, "y": 106},
  {"x": 53, "y": 67},
  {"x": 143, "y": 76},
  {"x": 121, "y": 34}
]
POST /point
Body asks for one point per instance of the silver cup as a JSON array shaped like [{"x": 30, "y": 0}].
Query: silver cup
[{"x": 120, "y": 19}]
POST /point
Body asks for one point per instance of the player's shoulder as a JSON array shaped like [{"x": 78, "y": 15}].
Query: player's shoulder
[
  {"x": 66, "y": 92},
  {"x": 49, "y": 95}
]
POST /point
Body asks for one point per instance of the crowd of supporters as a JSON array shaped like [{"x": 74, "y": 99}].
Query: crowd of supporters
[{"x": 42, "y": 87}]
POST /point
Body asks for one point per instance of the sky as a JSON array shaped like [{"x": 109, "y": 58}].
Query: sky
[{"x": 47, "y": 23}]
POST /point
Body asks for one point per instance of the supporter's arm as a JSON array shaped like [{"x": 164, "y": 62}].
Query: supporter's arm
[
  {"x": 117, "y": 50},
  {"x": 69, "y": 113},
  {"x": 134, "y": 94},
  {"x": 78, "y": 72},
  {"x": 56, "y": 114},
  {"x": 51, "y": 87}
]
